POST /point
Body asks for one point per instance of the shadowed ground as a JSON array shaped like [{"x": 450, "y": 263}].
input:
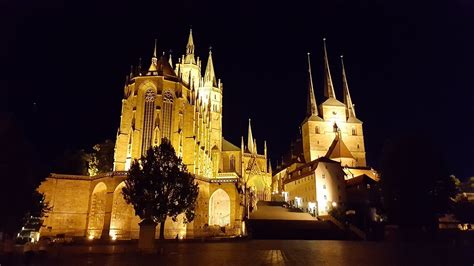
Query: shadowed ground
[{"x": 263, "y": 252}]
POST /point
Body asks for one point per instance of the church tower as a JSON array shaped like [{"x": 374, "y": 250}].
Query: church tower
[{"x": 337, "y": 134}]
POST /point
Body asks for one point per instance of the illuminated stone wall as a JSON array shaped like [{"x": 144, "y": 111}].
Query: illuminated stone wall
[
  {"x": 318, "y": 135},
  {"x": 319, "y": 183},
  {"x": 184, "y": 105}
]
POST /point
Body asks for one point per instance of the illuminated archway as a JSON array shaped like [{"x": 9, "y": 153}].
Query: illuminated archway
[
  {"x": 121, "y": 215},
  {"x": 219, "y": 208},
  {"x": 97, "y": 211}
]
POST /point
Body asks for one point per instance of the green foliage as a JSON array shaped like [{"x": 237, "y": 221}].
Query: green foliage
[
  {"x": 159, "y": 185},
  {"x": 101, "y": 160}
]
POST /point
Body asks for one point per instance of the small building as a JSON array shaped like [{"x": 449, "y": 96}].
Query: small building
[{"x": 316, "y": 187}]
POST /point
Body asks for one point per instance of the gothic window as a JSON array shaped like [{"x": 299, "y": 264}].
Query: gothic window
[
  {"x": 358, "y": 147},
  {"x": 354, "y": 132},
  {"x": 232, "y": 162},
  {"x": 148, "y": 119},
  {"x": 167, "y": 114},
  {"x": 334, "y": 127},
  {"x": 316, "y": 130}
]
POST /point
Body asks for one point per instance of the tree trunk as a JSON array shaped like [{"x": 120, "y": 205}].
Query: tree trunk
[{"x": 162, "y": 229}]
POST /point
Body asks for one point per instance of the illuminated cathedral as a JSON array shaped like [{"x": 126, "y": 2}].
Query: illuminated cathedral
[{"x": 182, "y": 102}]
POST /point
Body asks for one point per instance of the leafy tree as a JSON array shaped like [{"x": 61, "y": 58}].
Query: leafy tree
[
  {"x": 101, "y": 160},
  {"x": 416, "y": 186},
  {"x": 159, "y": 185}
]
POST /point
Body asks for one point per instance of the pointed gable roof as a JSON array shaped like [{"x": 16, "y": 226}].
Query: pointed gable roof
[{"x": 338, "y": 149}]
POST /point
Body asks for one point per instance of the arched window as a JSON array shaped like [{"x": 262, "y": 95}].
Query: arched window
[
  {"x": 167, "y": 114},
  {"x": 316, "y": 130},
  {"x": 232, "y": 162},
  {"x": 354, "y": 132},
  {"x": 148, "y": 119}
]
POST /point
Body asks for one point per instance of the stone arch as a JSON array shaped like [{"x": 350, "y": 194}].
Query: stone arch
[
  {"x": 97, "y": 211},
  {"x": 121, "y": 215},
  {"x": 219, "y": 208}
]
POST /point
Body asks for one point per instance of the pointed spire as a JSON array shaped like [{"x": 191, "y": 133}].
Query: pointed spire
[
  {"x": 328, "y": 85},
  {"x": 311, "y": 108},
  {"x": 154, "y": 60},
  {"x": 170, "y": 60},
  {"x": 190, "y": 44},
  {"x": 209, "y": 75},
  {"x": 242, "y": 144},
  {"x": 347, "y": 95},
  {"x": 189, "y": 58},
  {"x": 250, "y": 138}
]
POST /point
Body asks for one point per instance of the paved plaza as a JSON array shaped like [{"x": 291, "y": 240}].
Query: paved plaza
[{"x": 262, "y": 252}]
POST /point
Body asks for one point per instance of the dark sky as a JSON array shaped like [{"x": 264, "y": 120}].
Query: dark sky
[{"x": 410, "y": 66}]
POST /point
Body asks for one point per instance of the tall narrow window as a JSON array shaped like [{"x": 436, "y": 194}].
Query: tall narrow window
[
  {"x": 354, "y": 132},
  {"x": 167, "y": 114},
  {"x": 316, "y": 130},
  {"x": 148, "y": 119},
  {"x": 232, "y": 162}
]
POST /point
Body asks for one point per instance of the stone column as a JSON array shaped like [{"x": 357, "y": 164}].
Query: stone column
[{"x": 109, "y": 197}]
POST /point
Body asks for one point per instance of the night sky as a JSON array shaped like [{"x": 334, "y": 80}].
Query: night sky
[{"x": 410, "y": 67}]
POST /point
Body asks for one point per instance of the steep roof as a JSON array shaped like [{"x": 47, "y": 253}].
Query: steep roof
[
  {"x": 227, "y": 146},
  {"x": 333, "y": 102},
  {"x": 338, "y": 149}
]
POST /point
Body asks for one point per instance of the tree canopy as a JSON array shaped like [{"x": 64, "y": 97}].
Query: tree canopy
[
  {"x": 159, "y": 185},
  {"x": 101, "y": 159}
]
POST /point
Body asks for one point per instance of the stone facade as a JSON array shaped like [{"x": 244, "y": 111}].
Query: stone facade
[{"x": 184, "y": 106}]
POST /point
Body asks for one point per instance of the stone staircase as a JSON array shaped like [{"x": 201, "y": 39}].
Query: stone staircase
[{"x": 273, "y": 220}]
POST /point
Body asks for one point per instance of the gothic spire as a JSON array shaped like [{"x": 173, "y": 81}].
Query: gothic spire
[
  {"x": 347, "y": 95},
  {"x": 209, "y": 75},
  {"x": 311, "y": 108},
  {"x": 250, "y": 139},
  {"x": 328, "y": 86},
  {"x": 154, "y": 61},
  {"x": 189, "y": 58},
  {"x": 170, "y": 60}
]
